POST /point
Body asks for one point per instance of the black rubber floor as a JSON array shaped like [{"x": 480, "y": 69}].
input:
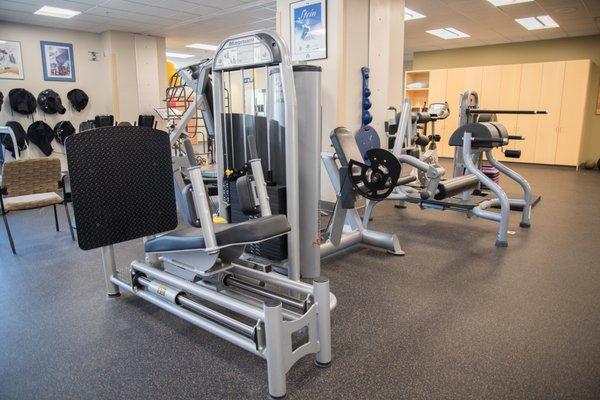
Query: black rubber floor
[{"x": 456, "y": 318}]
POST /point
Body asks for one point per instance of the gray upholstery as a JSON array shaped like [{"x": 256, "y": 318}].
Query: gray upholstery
[{"x": 255, "y": 230}]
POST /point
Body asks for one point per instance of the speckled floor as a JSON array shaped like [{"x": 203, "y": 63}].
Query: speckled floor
[{"x": 456, "y": 318}]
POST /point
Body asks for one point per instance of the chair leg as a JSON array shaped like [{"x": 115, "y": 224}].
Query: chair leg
[
  {"x": 10, "y": 239},
  {"x": 69, "y": 220},
  {"x": 55, "y": 217}
]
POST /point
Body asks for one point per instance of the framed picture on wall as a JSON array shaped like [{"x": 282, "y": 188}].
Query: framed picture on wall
[
  {"x": 11, "y": 62},
  {"x": 308, "y": 24},
  {"x": 58, "y": 61}
]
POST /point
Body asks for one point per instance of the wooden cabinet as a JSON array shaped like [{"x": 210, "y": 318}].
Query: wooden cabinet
[
  {"x": 552, "y": 79},
  {"x": 572, "y": 111},
  {"x": 529, "y": 99},
  {"x": 559, "y": 87}
]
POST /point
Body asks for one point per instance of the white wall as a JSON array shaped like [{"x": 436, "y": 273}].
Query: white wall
[
  {"x": 129, "y": 77},
  {"x": 91, "y": 76}
]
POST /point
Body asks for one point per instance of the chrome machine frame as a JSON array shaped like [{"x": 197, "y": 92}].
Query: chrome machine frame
[
  {"x": 250, "y": 50},
  {"x": 467, "y": 160},
  {"x": 346, "y": 228}
]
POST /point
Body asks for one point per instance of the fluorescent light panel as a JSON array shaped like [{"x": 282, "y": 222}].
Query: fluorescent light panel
[
  {"x": 410, "y": 14},
  {"x": 57, "y": 12},
  {"x": 448, "y": 33},
  {"x": 178, "y": 55},
  {"x": 539, "y": 22},
  {"x": 500, "y": 3},
  {"x": 202, "y": 46}
]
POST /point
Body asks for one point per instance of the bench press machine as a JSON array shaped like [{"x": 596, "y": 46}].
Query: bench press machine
[{"x": 199, "y": 271}]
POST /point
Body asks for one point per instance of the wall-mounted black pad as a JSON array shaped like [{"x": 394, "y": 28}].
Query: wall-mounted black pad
[{"x": 122, "y": 184}]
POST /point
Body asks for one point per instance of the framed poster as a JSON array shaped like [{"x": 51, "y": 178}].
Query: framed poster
[
  {"x": 308, "y": 20},
  {"x": 11, "y": 62},
  {"x": 57, "y": 61}
]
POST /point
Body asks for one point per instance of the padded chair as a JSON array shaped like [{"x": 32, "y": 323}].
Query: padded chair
[{"x": 29, "y": 184}]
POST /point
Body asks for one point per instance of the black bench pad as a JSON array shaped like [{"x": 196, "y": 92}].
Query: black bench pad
[{"x": 251, "y": 231}]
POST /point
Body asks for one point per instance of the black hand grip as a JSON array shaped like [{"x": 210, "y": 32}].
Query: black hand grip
[
  {"x": 517, "y": 137},
  {"x": 512, "y": 153},
  {"x": 437, "y": 138},
  {"x": 488, "y": 140},
  {"x": 252, "y": 147},
  {"x": 189, "y": 151}
]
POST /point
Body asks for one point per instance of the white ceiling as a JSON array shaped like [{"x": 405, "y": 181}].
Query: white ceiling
[
  {"x": 209, "y": 21},
  {"x": 492, "y": 25}
]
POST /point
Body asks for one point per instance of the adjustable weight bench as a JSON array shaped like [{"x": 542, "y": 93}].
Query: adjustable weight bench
[{"x": 123, "y": 189}]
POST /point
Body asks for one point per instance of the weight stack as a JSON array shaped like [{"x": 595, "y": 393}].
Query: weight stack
[
  {"x": 274, "y": 249},
  {"x": 490, "y": 172}
]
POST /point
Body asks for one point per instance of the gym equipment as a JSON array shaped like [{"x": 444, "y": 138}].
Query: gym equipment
[
  {"x": 189, "y": 101},
  {"x": 189, "y": 111},
  {"x": 474, "y": 138},
  {"x": 78, "y": 99},
  {"x": 598, "y": 164},
  {"x": 1, "y": 100},
  {"x": 195, "y": 273},
  {"x": 377, "y": 179},
  {"x": 42, "y": 135},
  {"x": 50, "y": 102},
  {"x": 21, "y": 101},
  {"x": 366, "y": 116},
  {"x": 257, "y": 92},
  {"x": 351, "y": 176}
]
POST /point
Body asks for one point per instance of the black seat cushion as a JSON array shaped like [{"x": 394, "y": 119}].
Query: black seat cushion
[{"x": 254, "y": 230}]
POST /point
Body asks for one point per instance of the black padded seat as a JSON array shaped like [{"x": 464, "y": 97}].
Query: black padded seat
[{"x": 251, "y": 231}]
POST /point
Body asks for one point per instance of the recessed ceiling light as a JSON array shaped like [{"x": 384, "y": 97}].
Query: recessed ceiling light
[
  {"x": 540, "y": 22},
  {"x": 57, "y": 12},
  {"x": 500, "y": 3},
  {"x": 448, "y": 33},
  {"x": 410, "y": 14},
  {"x": 202, "y": 46},
  {"x": 178, "y": 55}
]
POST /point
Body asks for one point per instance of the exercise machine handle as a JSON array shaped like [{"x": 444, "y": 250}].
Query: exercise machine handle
[
  {"x": 484, "y": 111},
  {"x": 517, "y": 137},
  {"x": 252, "y": 149},
  {"x": 488, "y": 140},
  {"x": 189, "y": 151},
  {"x": 512, "y": 153}
]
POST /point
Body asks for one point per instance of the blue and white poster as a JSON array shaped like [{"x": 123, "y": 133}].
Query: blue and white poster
[{"x": 309, "y": 30}]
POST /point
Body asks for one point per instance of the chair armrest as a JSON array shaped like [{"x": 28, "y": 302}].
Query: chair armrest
[{"x": 63, "y": 185}]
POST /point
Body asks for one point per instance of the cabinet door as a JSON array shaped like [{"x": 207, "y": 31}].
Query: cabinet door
[
  {"x": 437, "y": 94},
  {"x": 473, "y": 79},
  {"x": 529, "y": 99},
  {"x": 553, "y": 77},
  {"x": 490, "y": 87},
  {"x": 572, "y": 112},
  {"x": 510, "y": 89},
  {"x": 454, "y": 89}
]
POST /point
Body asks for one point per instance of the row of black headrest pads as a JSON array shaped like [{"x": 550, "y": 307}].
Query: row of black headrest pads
[
  {"x": 38, "y": 133},
  {"x": 23, "y": 102}
]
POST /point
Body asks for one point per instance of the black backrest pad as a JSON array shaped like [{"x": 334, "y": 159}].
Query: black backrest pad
[
  {"x": 122, "y": 184},
  {"x": 345, "y": 146}
]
